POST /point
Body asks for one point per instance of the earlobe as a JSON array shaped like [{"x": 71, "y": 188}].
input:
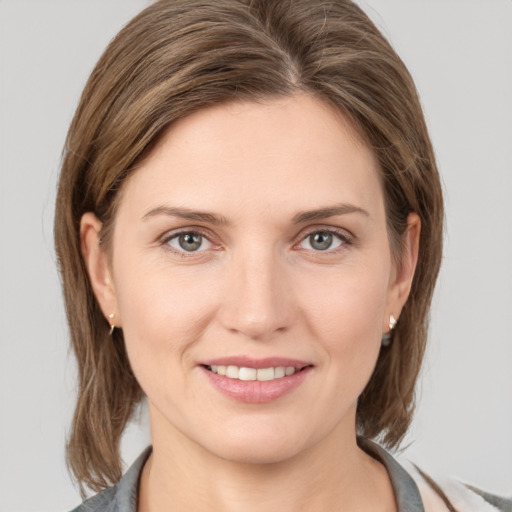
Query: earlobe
[{"x": 96, "y": 262}]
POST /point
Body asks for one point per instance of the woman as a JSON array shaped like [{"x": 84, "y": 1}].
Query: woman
[{"x": 249, "y": 227}]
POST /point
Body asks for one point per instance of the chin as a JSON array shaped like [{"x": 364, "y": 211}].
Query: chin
[
  {"x": 258, "y": 444},
  {"x": 258, "y": 453}
]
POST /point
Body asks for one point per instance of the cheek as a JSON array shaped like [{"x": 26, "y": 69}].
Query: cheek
[
  {"x": 344, "y": 310},
  {"x": 163, "y": 313}
]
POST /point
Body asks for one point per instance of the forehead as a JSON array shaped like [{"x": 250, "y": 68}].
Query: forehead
[{"x": 278, "y": 152}]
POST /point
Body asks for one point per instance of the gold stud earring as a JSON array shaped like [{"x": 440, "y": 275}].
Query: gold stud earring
[
  {"x": 392, "y": 322},
  {"x": 112, "y": 326}
]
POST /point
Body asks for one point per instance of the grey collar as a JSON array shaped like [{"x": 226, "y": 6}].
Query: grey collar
[{"x": 407, "y": 494}]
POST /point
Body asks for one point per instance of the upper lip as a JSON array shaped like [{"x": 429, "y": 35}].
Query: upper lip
[{"x": 249, "y": 362}]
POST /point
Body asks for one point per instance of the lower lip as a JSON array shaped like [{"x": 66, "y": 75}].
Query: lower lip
[{"x": 255, "y": 391}]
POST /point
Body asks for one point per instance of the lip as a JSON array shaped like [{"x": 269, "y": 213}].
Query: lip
[
  {"x": 256, "y": 392},
  {"x": 257, "y": 363}
]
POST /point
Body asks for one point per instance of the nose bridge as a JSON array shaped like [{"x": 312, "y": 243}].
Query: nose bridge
[{"x": 257, "y": 303}]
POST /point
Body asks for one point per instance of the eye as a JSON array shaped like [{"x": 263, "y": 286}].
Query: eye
[
  {"x": 323, "y": 240},
  {"x": 188, "y": 241}
]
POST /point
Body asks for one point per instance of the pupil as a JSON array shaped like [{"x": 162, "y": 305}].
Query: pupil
[
  {"x": 190, "y": 241},
  {"x": 321, "y": 241}
]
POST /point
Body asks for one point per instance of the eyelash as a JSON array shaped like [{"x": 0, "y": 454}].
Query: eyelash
[
  {"x": 184, "y": 254},
  {"x": 346, "y": 240}
]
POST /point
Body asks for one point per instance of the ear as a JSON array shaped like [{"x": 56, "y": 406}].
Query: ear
[
  {"x": 96, "y": 262},
  {"x": 401, "y": 282}
]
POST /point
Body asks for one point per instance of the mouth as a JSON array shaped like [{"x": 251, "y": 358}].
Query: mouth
[
  {"x": 255, "y": 381},
  {"x": 247, "y": 373}
]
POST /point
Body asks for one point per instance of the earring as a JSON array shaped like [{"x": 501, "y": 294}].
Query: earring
[
  {"x": 386, "y": 337},
  {"x": 112, "y": 326}
]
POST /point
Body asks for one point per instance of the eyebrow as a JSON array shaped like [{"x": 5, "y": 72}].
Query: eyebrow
[
  {"x": 186, "y": 213},
  {"x": 219, "y": 220},
  {"x": 323, "y": 213}
]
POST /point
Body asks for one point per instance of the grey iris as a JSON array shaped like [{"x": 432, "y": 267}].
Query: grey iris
[
  {"x": 321, "y": 241},
  {"x": 190, "y": 241}
]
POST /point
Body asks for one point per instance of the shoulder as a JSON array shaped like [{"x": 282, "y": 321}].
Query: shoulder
[
  {"x": 102, "y": 502},
  {"x": 446, "y": 494},
  {"x": 122, "y": 497},
  {"x": 417, "y": 491}
]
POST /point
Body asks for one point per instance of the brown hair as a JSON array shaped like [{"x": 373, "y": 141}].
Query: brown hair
[{"x": 178, "y": 56}]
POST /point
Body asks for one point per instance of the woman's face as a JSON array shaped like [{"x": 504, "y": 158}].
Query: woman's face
[{"x": 252, "y": 242}]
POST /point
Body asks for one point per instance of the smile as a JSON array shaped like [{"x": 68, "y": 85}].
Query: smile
[
  {"x": 247, "y": 373},
  {"x": 255, "y": 381}
]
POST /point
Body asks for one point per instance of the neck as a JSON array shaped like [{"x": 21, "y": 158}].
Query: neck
[{"x": 332, "y": 475}]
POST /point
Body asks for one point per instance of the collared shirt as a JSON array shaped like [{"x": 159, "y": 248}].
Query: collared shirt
[{"x": 122, "y": 497}]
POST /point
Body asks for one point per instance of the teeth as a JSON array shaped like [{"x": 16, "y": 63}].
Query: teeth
[
  {"x": 266, "y": 374},
  {"x": 245, "y": 373},
  {"x": 233, "y": 372},
  {"x": 248, "y": 374},
  {"x": 279, "y": 372}
]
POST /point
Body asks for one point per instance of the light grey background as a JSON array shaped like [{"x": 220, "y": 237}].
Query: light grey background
[{"x": 460, "y": 54}]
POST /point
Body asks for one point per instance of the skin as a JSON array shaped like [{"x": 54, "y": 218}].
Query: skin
[{"x": 257, "y": 286}]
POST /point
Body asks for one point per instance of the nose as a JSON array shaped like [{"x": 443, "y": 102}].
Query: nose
[{"x": 258, "y": 300}]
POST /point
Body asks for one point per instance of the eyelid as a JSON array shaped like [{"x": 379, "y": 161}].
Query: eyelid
[
  {"x": 169, "y": 235},
  {"x": 345, "y": 235}
]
